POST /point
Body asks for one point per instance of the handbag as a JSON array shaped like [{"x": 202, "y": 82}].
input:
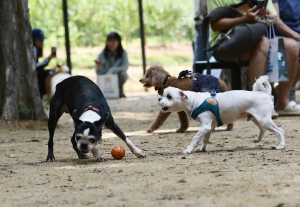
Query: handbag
[
  {"x": 109, "y": 85},
  {"x": 277, "y": 69},
  {"x": 234, "y": 42}
]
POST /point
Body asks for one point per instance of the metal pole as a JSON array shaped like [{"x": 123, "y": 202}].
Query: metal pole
[
  {"x": 67, "y": 39},
  {"x": 142, "y": 34}
]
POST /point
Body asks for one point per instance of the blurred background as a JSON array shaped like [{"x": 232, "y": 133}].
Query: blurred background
[{"x": 169, "y": 32}]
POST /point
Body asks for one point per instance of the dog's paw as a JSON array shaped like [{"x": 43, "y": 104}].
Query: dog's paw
[
  {"x": 83, "y": 156},
  {"x": 280, "y": 147},
  {"x": 149, "y": 130},
  {"x": 256, "y": 140},
  {"x": 203, "y": 149},
  {"x": 186, "y": 151},
  {"x": 50, "y": 159},
  {"x": 180, "y": 130},
  {"x": 139, "y": 153},
  {"x": 100, "y": 159},
  {"x": 229, "y": 126}
]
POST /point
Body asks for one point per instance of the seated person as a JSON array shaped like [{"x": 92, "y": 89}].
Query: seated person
[
  {"x": 38, "y": 42},
  {"x": 113, "y": 59},
  {"x": 288, "y": 25},
  {"x": 257, "y": 55}
]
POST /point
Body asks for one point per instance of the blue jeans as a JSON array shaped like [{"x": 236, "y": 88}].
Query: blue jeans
[{"x": 199, "y": 45}]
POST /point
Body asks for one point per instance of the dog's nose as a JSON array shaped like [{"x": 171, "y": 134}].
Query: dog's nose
[
  {"x": 159, "y": 99},
  {"x": 141, "y": 80},
  {"x": 84, "y": 145}
]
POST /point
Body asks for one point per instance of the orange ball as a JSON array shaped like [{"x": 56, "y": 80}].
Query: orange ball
[{"x": 118, "y": 152}]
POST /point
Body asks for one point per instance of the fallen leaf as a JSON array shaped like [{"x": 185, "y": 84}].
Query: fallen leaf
[{"x": 182, "y": 181}]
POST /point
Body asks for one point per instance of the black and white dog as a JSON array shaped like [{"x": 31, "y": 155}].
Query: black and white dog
[{"x": 89, "y": 110}]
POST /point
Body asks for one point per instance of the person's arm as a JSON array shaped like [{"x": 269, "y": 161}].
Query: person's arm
[
  {"x": 99, "y": 63},
  {"x": 283, "y": 28},
  {"x": 124, "y": 64},
  {"x": 227, "y": 23},
  {"x": 43, "y": 64}
]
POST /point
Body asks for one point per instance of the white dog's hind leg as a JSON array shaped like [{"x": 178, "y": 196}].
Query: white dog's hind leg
[
  {"x": 205, "y": 141},
  {"x": 261, "y": 131},
  {"x": 197, "y": 138},
  {"x": 277, "y": 131}
]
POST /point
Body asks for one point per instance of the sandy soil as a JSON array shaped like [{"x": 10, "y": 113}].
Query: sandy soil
[{"x": 234, "y": 171}]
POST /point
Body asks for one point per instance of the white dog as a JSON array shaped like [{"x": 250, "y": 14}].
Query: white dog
[{"x": 225, "y": 108}]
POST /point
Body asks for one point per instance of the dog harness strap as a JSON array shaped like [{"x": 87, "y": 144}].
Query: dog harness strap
[
  {"x": 90, "y": 107},
  {"x": 210, "y": 104}
]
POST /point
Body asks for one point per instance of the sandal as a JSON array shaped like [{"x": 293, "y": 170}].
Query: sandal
[
  {"x": 274, "y": 114},
  {"x": 292, "y": 109}
]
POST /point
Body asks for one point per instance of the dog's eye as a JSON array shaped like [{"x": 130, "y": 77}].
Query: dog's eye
[
  {"x": 78, "y": 138},
  {"x": 92, "y": 140},
  {"x": 169, "y": 96}
]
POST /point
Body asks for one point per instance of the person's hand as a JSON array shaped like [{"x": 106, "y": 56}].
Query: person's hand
[
  {"x": 99, "y": 63},
  {"x": 252, "y": 15},
  {"x": 53, "y": 55},
  {"x": 263, "y": 12}
]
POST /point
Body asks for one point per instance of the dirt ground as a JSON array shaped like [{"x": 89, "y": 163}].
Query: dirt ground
[{"x": 233, "y": 172}]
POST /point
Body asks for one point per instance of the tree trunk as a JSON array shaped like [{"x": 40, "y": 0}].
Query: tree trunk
[{"x": 19, "y": 94}]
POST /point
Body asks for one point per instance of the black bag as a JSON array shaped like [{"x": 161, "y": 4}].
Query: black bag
[{"x": 234, "y": 42}]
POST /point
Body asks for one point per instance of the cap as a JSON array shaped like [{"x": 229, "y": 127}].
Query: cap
[{"x": 38, "y": 34}]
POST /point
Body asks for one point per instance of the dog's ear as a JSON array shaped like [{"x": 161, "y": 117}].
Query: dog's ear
[
  {"x": 102, "y": 120},
  {"x": 182, "y": 95},
  {"x": 76, "y": 120}
]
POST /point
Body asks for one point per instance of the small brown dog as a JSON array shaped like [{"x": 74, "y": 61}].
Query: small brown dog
[{"x": 157, "y": 77}]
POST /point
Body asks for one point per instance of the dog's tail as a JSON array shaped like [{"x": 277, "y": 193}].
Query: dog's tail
[{"x": 262, "y": 84}]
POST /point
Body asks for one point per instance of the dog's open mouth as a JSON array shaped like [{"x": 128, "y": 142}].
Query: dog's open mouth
[
  {"x": 147, "y": 85},
  {"x": 84, "y": 151},
  {"x": 165, "y": 108}
]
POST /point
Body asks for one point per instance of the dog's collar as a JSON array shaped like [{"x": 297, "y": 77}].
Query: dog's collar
[
  {"x": 90, "y": 107},
  {"x": 166, "y": 79},
  {"x": 163, "y": 85}
]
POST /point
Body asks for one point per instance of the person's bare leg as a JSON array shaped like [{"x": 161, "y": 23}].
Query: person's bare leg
[
  {"x": 297, "y": 77},
  {"x": 284, "y": 88},
  {"x": 257, "y": 58}
]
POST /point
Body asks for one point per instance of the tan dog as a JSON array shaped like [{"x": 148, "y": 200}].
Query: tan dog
[
  {"x": 157, "y": 77},
  {"x": 59, "y": 74}
]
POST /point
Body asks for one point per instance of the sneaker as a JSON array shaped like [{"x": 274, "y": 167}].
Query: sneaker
[{"x": 274, "y": 115}]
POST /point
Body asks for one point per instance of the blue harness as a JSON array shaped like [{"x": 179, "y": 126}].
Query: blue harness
[{"x": 210, "y": 104}]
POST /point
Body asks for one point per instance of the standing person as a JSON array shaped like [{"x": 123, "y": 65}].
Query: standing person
[
  {"x": 288, "y": 25},
  {"x": 257, "y": 54},
  {"x": 38, "y": 38},
  {"x": 199, "y": 14},
  {"x": 113, "y": 59}
]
